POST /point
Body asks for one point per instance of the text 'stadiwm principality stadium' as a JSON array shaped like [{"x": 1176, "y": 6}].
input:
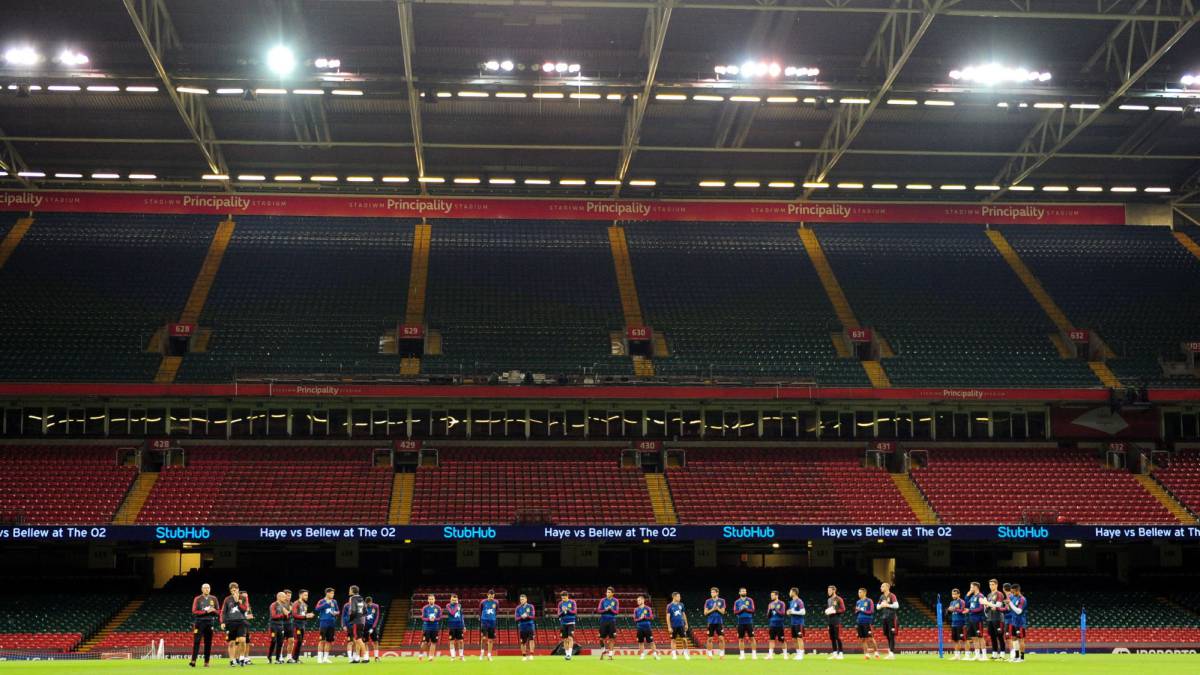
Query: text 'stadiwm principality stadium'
[{"x": 550, "y": 336}]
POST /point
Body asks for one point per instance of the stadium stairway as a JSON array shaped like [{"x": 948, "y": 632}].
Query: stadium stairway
[
  {"x": 915, "y": 602},
  {"x": 13, "y": 238},
  {"x": 169, "y": 367},
  {"x": 112, "y": 625},
  {"x": 841, "y": 306},
  {"x": 136, "y": 497},
  {"x": 399, "y": 610},
  {"x": 400, "y": 510},
  {"x": 627, "y": 287},
  {"x": 660, "y": 500},
  {"x": 916, "y": 501},
  {"x": 1169, "y": 502},
  {"x": 418, "y": 277},
  {"x": 1048, "y": 305},
  {"x": 1182, "y": 237}
]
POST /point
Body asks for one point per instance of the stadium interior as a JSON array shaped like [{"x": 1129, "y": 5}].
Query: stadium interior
[{"x": 450, "y": 296}]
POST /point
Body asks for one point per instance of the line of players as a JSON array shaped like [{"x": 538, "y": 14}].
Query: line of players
[
  {"x": 1002, "y": 612},
  {"x": 780, "y": 615},
  {"x": 360, "y": 617}
]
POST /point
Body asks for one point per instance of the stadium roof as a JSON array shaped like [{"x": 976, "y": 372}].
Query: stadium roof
[{"x": 413, "y": 96}]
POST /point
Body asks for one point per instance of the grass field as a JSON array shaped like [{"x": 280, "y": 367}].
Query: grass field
[{"x": 906, "y": 665}]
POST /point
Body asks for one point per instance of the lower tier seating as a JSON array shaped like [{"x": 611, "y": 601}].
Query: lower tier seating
[
  {"x": 54, "y": 621},
  {"x": 46, "y": 485},
  {"x": 1182, "y": 478}
]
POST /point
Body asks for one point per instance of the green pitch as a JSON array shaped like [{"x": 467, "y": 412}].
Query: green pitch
[{"x": 905, "y": 665}]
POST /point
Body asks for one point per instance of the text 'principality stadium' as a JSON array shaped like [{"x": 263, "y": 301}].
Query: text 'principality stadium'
[{"x": 549, "y": 336}]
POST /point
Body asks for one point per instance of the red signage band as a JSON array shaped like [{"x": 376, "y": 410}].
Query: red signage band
[
  {"x": 410, "y": 332},
  {"x": 181, "y": 329},
  {"x": 860, "y": 334},
  {"x": 637, "y": 333},
  {"x": 1079, "y": 335},
  {"x": 560, "y": 209},
  {"x": 1193, "y": 346},
  {"x": 648, "y": 446},
  {"x": 408, "y": 445}
]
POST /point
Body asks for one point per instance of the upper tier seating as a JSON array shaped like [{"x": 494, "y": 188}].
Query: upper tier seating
[
  {"x": 61, "y": 485},
  {"x": 783, "y": 486},
  {"x": 271, "y": 485},
  {"x": 83, "y": 293},
  {"x": 56, "y": 622},
  {"x": 952, "y": 310},
  {"x": 1033, "y": 484},
  {"x": 1136, "y": 286},
  {"x": 537, "y": 296},
  {"x": 736, "y": 298},
  {"x": 305, "y": 295},
  {"x": 568, "y": 486},
  {"x": 1182, "y": 478}
]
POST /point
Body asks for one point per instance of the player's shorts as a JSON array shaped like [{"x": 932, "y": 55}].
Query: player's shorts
[
  {"x": 430, "y": 636},
  {"x": 798, "y": 631},
  {"x": 487, "y": 630},
  {"x": 356, "y": 631},
  {"x": 774, "y": 632},
  {"x": 972, "y": 629},
  {"x": 526, "y": 635},
  {"x": 645, "y": 635},
  {"x": 745, "y": 630},
  {"x": 328, "y": 633},
  {"x": 1017, "y": 632},
  {"x": 456, "y": 633},
  {"x": 956, "y": 633},
  {"x": 567, "y": 630},
  {"x": 368, "y": 633},
  {"x": 235, "y": 630},
  {"x": 889, "y": 625},
  {"x": 608, "y": 630},
  {"x": 203, "y": 625},
  {"x": 996, "y": 627},
  {"x": 289, "y": 631},
  {"x": 279, "y": 630},
  {"x": 678, "y": 633},
  {"x": 864, "y": 630},
  {"x": 716, "y": 630}
]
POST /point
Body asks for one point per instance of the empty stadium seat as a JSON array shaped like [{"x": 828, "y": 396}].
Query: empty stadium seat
[
  {"x": 57, "y": 485},
  {"x": 1182, "y": 478}
]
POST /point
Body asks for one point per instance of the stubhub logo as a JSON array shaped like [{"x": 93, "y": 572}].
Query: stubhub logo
[
  {"x": 450, "y": 532},
  {"x": 1005, "y": 532},
  {"x": 182, "y": 533},
  {"x": 731, "y": 532}
]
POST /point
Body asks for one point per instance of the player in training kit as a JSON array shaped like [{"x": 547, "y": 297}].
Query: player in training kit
[
  {"x": 835, "y": 607},
  {"x": 204, "y": 620},
  {"x": 289, "y": 629},
  {"x": 372, "y": 623},
  {"x": 280, "y": 611},
  {"x": 887, "y": 617},
  {"x": 567, "y": 611},
  {"x": 743, "y": 612},
  {"x": 300, "y": 617},
  {"x": 677, "y": 616},
  {"x": 327, "y": 620},
  {"x": 776, "y": 617},
  {"x": 643, "y": 621},
  {"x": 995, "y": 605},
  {"x": 608, "y": 609},
  {"x": 957, "y": 609},
  {"x": 356, "y": 611},
  {"x": 455, "y": 624},
  {"x": 234, "y": 614},
  {"x": 431, "y": 625},
  {"x": 796, "y": 611},
  {"x": 487, "y": 624},
  {"x": 526, "y": 617},
  {"x": 1016, "y": 626},
  {"x": 974, "y": 623},
  {"x": 864, "y": 619},
  {"x": 714, "y": 610}
]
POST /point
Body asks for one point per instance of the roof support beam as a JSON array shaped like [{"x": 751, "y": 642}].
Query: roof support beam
[
  {"x": 1141, "y": 48},
  {"x": 153, "y": 24},
  {"x": 655, "y": 35},
  {"x": 407, "y": 45},
  {"x": 897, "y": 37},
  {"x": 11, "y": 162}
]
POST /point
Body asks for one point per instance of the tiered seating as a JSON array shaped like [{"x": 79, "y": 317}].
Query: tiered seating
[
  {"x": 167, "y": 617},
  {"x": 83, "y": 293},
  {"x": 495, "y": 485},
  {"x": 736, "y": 299},
  {"x": 537, "y": 296},
  {"x": 61, "y": 485},
  {"x": 950, "y": 307},
  {"x": 1136, "y": 286},
  {"x": 1034, "y": 484},
  {"x": 53, "y": 621},
  {"x": 720, "y": 486},
  {"x": 1182, "y": 478},
  {"x": 305, "y": 295},
  {"x": 274, "y": 485}
]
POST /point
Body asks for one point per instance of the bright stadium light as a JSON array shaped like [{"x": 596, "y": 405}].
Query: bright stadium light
[
  {"x": 71, "y": 58},
  {"x": 993, "y": 73},
  {"x": 22, "y": 56},
  {"x": 761, "y": 69},
  {"x": 1189, "y": 80},
  {"x": 325, "y": 63},
  {"x": 506, "y": 66},
  {"x": 281, "y": 60},
  {"x": 492, "y": 65}
]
